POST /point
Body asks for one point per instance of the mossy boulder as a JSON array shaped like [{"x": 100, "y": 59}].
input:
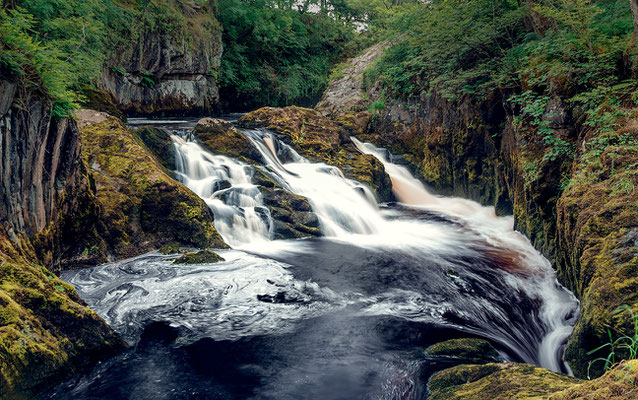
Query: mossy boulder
[
  {"x": 139, "y": 206},
  {"x": 199, "y": 257},
  {"x": 292, "y": 214},
  {"x": 222, "y": 137},
  {"x": 46, "y": 331},
  {"x": 497, "y": 382},
  {"x": 321, "y": 140},
  {"x": 472, "y": 350},
  {"x": 509, "y": 381},
  {"x": 158, "y": 142}
]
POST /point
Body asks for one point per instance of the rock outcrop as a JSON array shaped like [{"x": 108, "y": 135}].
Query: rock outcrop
[
  {"x": 168, "y": 71},
  {"x": 322, "y": 140},
  {"x": 46, "y": 331},
  {"x": 521, "y": 381},
  {"x": 292, "y": 214},
  {"x": 140, "y": 207}
]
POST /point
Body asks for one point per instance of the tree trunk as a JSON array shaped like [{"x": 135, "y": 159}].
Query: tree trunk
[{"x": 633, "y": 4}]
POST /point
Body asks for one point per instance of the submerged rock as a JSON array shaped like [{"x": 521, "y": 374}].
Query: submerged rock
[
  {"x": 200, "y": 257},
  {"x": 472, "y": 350},
  {"x": 322, "y": 140}
]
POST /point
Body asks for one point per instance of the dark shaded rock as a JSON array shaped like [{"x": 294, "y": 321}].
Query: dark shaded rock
[
  {"x": 200, "y": 257},
  {"x": 292, "y": 214},
  {"x": 158, "y": 141}
]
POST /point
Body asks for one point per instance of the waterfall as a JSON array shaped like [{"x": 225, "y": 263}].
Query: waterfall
[
  {"x": 559, "y": 307},
  {"x": 225, "y": 185},
  {"x": 348, "y": 211}
]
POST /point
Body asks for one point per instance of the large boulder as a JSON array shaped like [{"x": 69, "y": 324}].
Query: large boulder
[
  {"x": 321, "y": 140},
  {"x": 140, "y": 206}
]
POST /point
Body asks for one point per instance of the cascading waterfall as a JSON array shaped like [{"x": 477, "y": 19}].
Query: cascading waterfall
[
  {"x": 348, "y": 211},
  {"x": 342, "y": 316},
  {"x": 225, "y": 185}
]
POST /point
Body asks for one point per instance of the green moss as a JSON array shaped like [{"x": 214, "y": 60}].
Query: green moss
[
  {"x": 170, "y": 248},
  {"x": 159, "y": 143},
  {"x": 46, "y": 332},
  {"x": 497, "y": 382},
  {"x": 200, "y": 257},
  {"x": 139, "y": 206},
  {"x": 222, "y": 137}
]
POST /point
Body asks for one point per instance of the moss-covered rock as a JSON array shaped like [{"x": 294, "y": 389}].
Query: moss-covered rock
[
  {"x": 465, "y": 349},
  {"x": 170, "y": 248},
  {"x": 519, "y": 381},
  {"x": 46, "y": 331},
  {"x": 597, "y": 218},
  {"x": 222, "y": 137},
  {"x": 140, "y": 206},
  {"x": 200, "y": 257},
  {"x": 497, "y": 382},
  {"x": 322, "y": 140}
]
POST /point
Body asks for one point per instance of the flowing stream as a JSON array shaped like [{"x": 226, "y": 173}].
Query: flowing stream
[{"x": 344, "y": 316}]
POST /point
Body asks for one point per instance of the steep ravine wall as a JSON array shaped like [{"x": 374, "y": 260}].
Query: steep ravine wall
[{"x": 46, "y": 332}]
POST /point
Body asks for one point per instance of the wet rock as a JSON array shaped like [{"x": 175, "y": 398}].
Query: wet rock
[
  {"x": 470, "y": 350},
  {"x": 200, "y": 257},
  {"x": 322, "y": 140},
  {"x": 222, "y": 137},
  {"x": 292, "y": 214}
]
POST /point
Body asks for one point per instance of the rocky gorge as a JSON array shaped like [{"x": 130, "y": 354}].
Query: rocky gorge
[{"x": 93, "y": 190}]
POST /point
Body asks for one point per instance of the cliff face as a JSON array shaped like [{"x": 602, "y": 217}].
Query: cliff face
[
  {"x": 168, "y": 72},
  {"x": 577, "y": 208},
  {"x": 46, "y": 332}
]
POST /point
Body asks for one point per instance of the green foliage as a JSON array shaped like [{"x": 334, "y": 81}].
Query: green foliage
[
  {"x": 624, "y": 347},
  {"x": 36, "y": 67},
  {"x": 277, "y": 55}
]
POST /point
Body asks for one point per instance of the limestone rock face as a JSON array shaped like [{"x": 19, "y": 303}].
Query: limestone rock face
[{"x": 168, "y": 73}]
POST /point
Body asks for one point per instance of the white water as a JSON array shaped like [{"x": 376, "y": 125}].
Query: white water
[
  {"x": 348, "y": 213},
  {"x": 558, "y": 307}
]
